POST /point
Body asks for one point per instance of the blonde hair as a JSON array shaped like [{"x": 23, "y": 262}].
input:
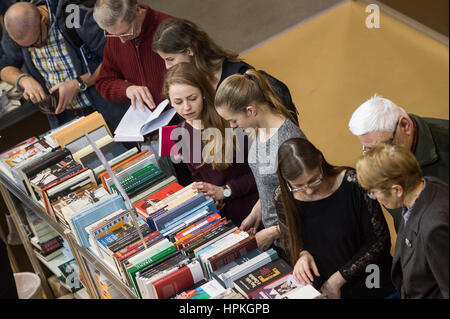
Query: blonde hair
[
  {"x": 188, "y": 74},
  {"x": 386, "y": 165},
  {"x": 240, "y": 90}
]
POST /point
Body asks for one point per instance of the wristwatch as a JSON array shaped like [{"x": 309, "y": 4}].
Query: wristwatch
[
  {"x": 226, "y": 191},
  {"x": 81, "y": 84}
]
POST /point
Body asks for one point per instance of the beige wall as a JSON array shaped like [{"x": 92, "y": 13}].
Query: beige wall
[{"x": 333, "y": 63}]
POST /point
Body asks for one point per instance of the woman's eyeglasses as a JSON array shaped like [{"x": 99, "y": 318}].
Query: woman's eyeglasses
[{"x": 303, "y": 188}]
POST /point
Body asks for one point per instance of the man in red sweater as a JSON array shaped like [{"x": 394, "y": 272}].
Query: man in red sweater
[{"x": 130, "y": 69}]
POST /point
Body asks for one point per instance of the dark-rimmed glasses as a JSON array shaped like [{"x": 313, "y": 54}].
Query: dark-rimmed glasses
[{"x": 388, "y": 141}]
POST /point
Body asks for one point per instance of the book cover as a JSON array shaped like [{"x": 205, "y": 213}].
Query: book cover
[
  {"x": 178, "y": 281},
  {"x": 284, "y": 287},
  {"x": 156, "y": 197},
  {"x": 229, "y": 273},
  {"x": 48, "y": 189},
  {"x": 166, "y": 144},
  {"x": 93, "y": 214},
  {"x": 88, "y": 148},
  {"x": 110, "y": 151},
  {"x": 254, "y": 281},
  {"x": 194, "y": 228},
  {"x": 124, "y": 165},
  {"x": 207, "y": 290},
  {"x": 31, "y": 170},
  {"x": 231, "y": 253},
  {"x": 158, "y": 221},
  {"x": 55, "y": 172},
  {"x": 76, "y": 130},
  {"x": 116, "y": 160}
]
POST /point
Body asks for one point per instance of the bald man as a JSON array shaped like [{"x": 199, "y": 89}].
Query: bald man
[{"x": 56, "y": 58}]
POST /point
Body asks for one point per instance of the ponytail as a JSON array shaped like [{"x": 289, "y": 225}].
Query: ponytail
[{"x": 239, "y": 90}]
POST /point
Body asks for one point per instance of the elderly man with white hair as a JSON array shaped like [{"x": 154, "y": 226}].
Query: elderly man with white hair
[{"x": 381, "y": 120}]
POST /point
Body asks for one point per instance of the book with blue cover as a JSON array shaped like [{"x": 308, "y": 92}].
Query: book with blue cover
[
  {"x": 96, "y": 212},
  {"x": 175, "y": 222},
  {"x": 161, "y": 216}
]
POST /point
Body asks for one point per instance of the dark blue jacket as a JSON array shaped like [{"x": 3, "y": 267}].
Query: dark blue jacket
[{"x": 91, "y": 35}]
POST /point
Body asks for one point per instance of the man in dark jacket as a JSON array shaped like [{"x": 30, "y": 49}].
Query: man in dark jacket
[
  {"x": 380, "y": 120},
  {"x": 61, "y": 48}
]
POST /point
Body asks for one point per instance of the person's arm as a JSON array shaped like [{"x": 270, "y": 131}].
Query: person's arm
[
  {"x": 69, "y": 90},
  {"x": 11, "y": 62},
  {"x": 375, "y": 231}
]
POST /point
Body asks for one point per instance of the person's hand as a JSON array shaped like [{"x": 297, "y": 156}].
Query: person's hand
[
  {"x": 266, "y": 237},
  {"x": 142, "y": 95},
  {"x": 303, "y": 267},
  {"x": 210, "y": 190},
  {"x": 332, "y": 287},
  {"x": 68, "y": 91},
  {"x": 251, "y": 223},
  {"x": 33, "y": 91}
]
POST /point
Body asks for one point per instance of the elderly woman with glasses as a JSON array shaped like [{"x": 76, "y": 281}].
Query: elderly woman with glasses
[
  {"x": 334, "y": 235},
  {"x": 393, "y": 176}
]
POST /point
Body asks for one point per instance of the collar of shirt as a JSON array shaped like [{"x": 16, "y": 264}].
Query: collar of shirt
[{"x": 406, "y": 213}]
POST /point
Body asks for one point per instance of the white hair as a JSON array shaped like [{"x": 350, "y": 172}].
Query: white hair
[{"x": 376, "y": 114}]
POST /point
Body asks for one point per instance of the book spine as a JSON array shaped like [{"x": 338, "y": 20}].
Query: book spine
[{"x": 138, "y": 246}]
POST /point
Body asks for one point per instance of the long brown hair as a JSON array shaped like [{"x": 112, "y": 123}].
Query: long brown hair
[
  {"x": 240, "y": 90},
  {"x": 188, "y": 74},
  {"x": 295, "y": 156},
  {"x": 177, "y": 35}
]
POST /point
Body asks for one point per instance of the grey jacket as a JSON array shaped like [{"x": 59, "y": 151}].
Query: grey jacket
[
  {"x": 91, "y": 35},
  {"x": 421, "y": 263}
]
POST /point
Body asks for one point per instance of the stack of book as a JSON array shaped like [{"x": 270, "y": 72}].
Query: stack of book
[{"x": 182, "y": 247}]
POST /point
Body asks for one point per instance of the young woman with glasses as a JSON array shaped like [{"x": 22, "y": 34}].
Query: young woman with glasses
[{"x": 331, "y": 230}]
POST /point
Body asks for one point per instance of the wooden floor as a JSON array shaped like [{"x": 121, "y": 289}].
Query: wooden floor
[{"x": 333, "y": 63}]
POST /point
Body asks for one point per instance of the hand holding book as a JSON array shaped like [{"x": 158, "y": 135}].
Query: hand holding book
[{"x": 142, "y": 95}]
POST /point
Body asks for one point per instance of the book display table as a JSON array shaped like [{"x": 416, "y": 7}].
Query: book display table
[{"x": 89, "y": 264}]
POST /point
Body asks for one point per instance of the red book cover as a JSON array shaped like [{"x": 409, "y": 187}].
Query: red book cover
[
  {"x": 178, "y": 280},
  {"x": 231, "y": 253},
  {"x": 190, "y": 230},
  {"x": 152, "y": 199},
  {"x": 166, "y": 144}
]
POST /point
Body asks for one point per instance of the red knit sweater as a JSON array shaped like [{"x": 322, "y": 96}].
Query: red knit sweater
[{"x": 126, "y": 64}]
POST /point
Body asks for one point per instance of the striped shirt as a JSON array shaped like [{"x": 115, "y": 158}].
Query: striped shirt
[{"x": 55, "y": 65}]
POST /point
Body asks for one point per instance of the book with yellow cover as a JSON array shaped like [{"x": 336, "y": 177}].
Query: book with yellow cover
[{"x": 76, "y": 130}]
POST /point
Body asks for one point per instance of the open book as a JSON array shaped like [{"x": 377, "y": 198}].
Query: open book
[{"x": 136, "y": 123}]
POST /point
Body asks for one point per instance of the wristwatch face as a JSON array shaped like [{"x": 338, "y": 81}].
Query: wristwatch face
[
  {"x": 227, "y": 192},
  {"x": 81, "y": 85}
]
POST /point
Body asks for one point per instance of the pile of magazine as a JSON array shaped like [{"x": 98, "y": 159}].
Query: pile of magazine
[{"x": 181, "y": 246}]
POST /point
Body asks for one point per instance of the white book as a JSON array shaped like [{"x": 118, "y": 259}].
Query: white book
[
  {"x": 305, "y": 292},
  {"x": 136, "y": 123}
]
